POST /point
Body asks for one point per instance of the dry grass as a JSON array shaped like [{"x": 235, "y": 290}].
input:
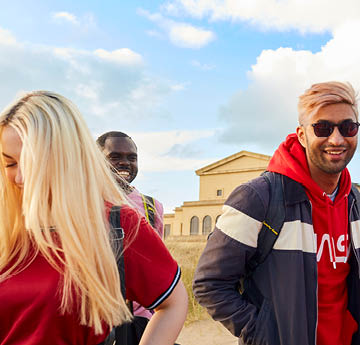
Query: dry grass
[{"x": 186, "y": 251}]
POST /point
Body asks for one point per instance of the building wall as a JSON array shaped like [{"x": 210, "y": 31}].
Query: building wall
[
  {"x": 224, "y": 177},
  {"x": 209, "y": 204},
  {"x": 226, "y": 182},
  {"x": 169, "y": 219},
  {"x": 180, "y": 225}
]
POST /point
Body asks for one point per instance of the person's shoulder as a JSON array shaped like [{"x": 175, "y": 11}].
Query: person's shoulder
[
  {"x": 127, "y": 209},
  {"x": 243, "y": 213},
  {"x": 158, "y": 205},
  {"x": 128, "y": 212},
  {"x": 249, "y": 194},
  {"x": 150, "y": 198},
  {"x": 134, "y": 193}
]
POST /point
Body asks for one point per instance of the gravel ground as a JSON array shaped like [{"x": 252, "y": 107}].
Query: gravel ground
[{"x": 206, "y": 332}]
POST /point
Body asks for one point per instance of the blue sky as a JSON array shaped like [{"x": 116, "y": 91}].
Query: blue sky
[{"x": 192, "y": 81}]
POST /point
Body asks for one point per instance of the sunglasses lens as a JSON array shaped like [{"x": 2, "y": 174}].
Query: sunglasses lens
[
  {"x": 348, "y": 129},
  {"x": 323, "y": 129}
]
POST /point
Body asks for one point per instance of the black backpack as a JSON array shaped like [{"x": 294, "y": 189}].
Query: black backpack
[{"x": 128, "y": 333}]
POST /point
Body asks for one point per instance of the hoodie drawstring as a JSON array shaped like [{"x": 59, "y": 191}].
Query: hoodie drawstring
[{"x": 330, "y": 228}]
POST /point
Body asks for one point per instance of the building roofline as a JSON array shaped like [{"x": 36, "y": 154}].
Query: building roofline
[{"x": 228, "y": 159}]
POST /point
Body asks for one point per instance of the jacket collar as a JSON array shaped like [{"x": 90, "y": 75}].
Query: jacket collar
[{"x": 294, "y": 192}]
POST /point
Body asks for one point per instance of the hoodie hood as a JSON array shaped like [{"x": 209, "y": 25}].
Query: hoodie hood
[{"x": 290, "y": 160}]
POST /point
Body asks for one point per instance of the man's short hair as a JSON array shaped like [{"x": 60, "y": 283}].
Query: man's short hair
[
  {"x": 102, "y": 138},
  {"x": 322, "y": 94}
]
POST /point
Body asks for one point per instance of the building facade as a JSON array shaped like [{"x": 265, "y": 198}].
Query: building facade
[{"x": 217, "y": 181}]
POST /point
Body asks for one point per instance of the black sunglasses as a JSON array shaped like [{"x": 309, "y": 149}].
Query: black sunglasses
[{"x": 347, "y": 128}]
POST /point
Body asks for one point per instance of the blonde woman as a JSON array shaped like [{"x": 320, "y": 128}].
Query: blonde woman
[{"x": 59, "y": 282}]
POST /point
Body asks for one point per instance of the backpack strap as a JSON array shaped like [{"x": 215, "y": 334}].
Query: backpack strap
[
  {"x": 269, "y": 232},
  {"x": 356, "y": 194},
  {"x": 115, "y": 222},
  {"x": 273, "y": 222},
  {"x": 120, "y": 332},
  {"x": 149, "y": 207}
]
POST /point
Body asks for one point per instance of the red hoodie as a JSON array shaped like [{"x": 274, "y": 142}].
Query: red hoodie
[{"x": 330, "y": 220}]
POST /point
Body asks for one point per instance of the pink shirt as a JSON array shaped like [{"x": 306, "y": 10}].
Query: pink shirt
[{"x": 136, "y": 201}]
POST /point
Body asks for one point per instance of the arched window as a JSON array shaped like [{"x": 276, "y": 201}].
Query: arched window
[
  {"x": 194, "y": 226},
  {"x": 206, "y": 226},
  {"x": 217, "y": 218},
  {"x": 167, "y": 229}
]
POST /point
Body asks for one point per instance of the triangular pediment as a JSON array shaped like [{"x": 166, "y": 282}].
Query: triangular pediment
[{"x": 241, "y": 161}]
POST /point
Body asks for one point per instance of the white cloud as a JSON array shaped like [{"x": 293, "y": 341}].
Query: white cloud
[
  {"x": 202, "y": 66},
  {"x": 179, "y": 86},
  {"x": 181, "y": 34},
  {"x": 154, "y": 33},
  {"x": 111, "y": 96},
  {"x": 266, "y": 111},
  {"x": 306, "y": 15},
  {"x": 111, "y": 88},
  {"x": 6, "y": 37},
  {"x": 188, "y": 36},
  {"x": 122, "y": 56},
  {"x": 88, "y": 91},
  {"x": 80, "y": 26},
  {"x": 66, "y": 16},
  {"x": 161, "y": 156}
]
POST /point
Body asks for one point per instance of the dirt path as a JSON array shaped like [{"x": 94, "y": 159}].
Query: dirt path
[{"x": 206, "y": 332}]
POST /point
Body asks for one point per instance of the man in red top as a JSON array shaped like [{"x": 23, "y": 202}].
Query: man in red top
[
  {"x": 309, "y": 282},
  {"x": 327, "y": 132}
]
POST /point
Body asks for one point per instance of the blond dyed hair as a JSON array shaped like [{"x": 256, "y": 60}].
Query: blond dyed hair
[
  {"x": 322, "y": 94},
  {"x": 60, "y": 211}
]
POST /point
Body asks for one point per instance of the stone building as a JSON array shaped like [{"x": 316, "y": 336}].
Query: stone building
[{"x": 217, "y": 181}]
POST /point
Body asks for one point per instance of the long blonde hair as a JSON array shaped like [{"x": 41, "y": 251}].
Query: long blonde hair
[{"x": 60, "y": 211}]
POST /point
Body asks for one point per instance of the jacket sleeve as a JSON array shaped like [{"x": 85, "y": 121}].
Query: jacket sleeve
[{"x": 223, "y": 262}]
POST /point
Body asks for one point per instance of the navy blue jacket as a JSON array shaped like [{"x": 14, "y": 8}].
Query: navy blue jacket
[{"x": 287, "y": 279}]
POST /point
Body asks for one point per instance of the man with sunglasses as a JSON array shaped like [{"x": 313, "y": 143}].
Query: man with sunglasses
[{"x": 308, "y": 285}]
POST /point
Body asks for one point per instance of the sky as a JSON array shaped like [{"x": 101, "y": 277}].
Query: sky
[{"x": 191, "y": 81}]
